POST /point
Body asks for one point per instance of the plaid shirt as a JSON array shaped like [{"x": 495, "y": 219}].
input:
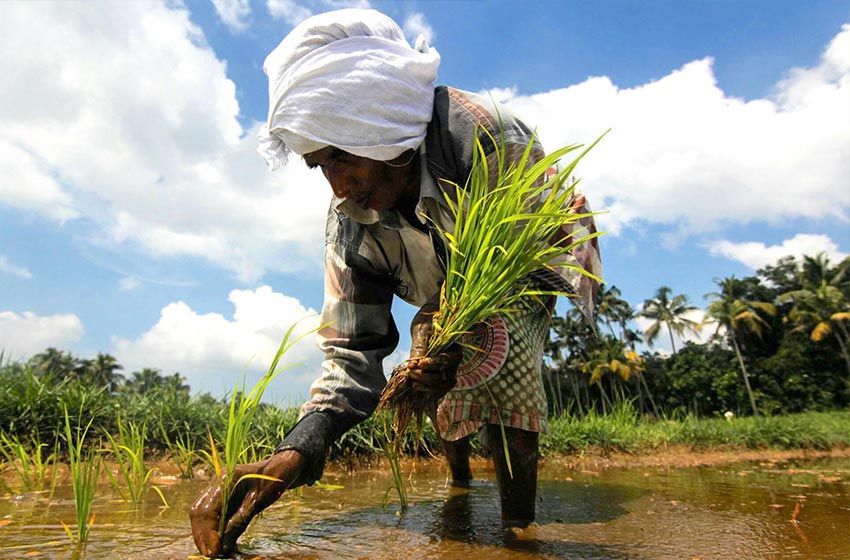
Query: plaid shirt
[{"x": 370, "y": 257}]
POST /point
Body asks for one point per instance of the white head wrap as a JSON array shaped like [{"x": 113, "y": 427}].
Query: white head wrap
[{"x": 348, "y": 79}]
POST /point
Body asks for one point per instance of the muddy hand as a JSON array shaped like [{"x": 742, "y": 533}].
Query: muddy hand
[
  {"x": 435, "y": 375},
  {"x": 249, "y": 497}
]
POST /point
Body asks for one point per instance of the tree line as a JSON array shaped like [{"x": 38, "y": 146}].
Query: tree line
[
  {"x": 777, "y": 342},
  {"x": 101, "y": 372}
]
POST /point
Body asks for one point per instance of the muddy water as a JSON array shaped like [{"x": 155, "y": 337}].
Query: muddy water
[{"x": 741, "y": 511}]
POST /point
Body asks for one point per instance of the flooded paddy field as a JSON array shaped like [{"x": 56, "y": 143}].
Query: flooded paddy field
[{"x": 724, "y": 511}]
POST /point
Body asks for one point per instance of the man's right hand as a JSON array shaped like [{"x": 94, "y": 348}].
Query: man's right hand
[
  {"x": 437, "y": 374},
  {"x": 248, "y": 498}
]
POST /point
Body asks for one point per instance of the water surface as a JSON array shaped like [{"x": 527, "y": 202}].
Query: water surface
[{"x": 720, "y": 512}]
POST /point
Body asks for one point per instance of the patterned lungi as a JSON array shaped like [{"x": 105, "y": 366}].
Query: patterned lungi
[{"x": 500, "y": 380}]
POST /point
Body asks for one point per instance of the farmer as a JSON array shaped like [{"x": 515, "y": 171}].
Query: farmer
[{"x": 349, "y": 95}]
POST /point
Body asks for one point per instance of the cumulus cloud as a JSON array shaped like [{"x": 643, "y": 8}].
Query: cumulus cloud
[
  {"x": 757, "y": 255},
  {"x": 146, "y": 145},
  {"x": 26, "y": 184},
  {"x": 25, "y": 334},
  {"x": 148, "y": 151},
  {"x": 7, "y": 267},
  {"x": 233, "y": 13},
  {"x": 416, "y": 25},
  {"x": 213, "y": 352},
  {"x": 684, "y": 154},
  {"x": 291, "y": 11}
]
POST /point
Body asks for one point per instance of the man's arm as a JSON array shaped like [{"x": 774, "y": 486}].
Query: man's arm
[{"x": 358, "y": 333}]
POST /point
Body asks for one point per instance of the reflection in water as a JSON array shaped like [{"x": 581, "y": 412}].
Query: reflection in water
[{"x": 730, "y": 512}]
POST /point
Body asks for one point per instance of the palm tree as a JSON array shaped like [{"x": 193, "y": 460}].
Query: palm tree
[
  {"x": 54, "y": 362},
  {"x": 175, "y": 384},
  {"x": 669, "y": 312},
  {"x": 614, "y": 358},
  {"x": 144, "y": 381},
  {"x": 734, "y": 314},
  {"x": 609, "y": 307},
  {"x": 568, "y": 340},
  {"x": 103, "y": 371},
  {"x": 821, "y": 311}
]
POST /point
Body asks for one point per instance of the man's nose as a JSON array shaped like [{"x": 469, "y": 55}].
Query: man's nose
[{"x": 341, "y": 183}]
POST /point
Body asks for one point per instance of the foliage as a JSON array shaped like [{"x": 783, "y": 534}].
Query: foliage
[{"x": 789, "y": 372}]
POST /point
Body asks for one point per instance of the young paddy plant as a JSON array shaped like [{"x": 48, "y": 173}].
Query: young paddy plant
[
  {"x": 243, "y": 407},
  {"x": 505, "y": 219},
  {"x": 27, "y": 461},
  {"x": 84, "y": 466},
  {"x": 182, "y": 450},
  {"x": 128, "y": 451}
]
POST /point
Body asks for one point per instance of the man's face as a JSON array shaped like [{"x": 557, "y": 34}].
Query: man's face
[{"x": 366, "y": 182}]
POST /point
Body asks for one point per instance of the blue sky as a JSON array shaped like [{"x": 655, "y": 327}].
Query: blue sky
[{"x": 136, "y": 218}]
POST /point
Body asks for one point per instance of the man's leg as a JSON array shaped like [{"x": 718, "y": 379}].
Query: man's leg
[
  {"x": 518, "y": 493},
  {"x": 457, "y": 455}
]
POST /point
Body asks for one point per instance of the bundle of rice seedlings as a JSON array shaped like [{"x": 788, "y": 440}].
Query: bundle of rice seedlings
[{"x": 504, "y": 221}]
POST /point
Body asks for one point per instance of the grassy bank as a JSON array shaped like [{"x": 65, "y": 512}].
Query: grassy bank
[{"x": 626, "y": 431}]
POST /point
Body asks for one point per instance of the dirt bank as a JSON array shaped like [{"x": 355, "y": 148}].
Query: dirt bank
[
  {"x": 595, "y": 459},
  {"x": 683, "y": 456}
]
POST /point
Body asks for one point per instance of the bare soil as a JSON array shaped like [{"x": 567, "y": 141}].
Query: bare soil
[{"x": 597, "y": 459}]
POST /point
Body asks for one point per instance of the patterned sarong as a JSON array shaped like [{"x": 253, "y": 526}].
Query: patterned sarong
[{"x": 501, "y": 380}]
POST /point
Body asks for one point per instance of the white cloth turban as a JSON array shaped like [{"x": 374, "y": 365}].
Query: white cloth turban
[{"x": 348, "y": 79}]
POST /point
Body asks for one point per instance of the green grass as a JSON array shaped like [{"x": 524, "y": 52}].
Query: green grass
[{"x": 625, "y": 430}]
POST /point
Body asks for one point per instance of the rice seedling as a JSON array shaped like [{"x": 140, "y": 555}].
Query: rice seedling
[
  {"x": 392, "y": 450},
  {"x": 27, "y": 461},
  {"x": 84, "y": 467},
  {"x": 182, "y": 451},
  {"x": 239, "y": 421},
  {"x": 504, "y": 221},
  {"x": 128, "y": 451}
]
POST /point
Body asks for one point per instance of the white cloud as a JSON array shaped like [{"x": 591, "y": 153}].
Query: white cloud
[
  {"x": 146, "y": 144},
  {"x": 213, "y": 351},
  {"x": 757, "y": 255},
  {"x": 291, "y": 11},
  {"x": 416, "y": 25},
  {"x": 234, "y": 13},
  {"x": 27, "y": 334},
  {"x": 7, "y": 267},
  {"x": 685, "y": 154},
  {"x": 129, "y": 284},
  {"x": 294, "y": 12},
  {"x": 26, "y": 184}
]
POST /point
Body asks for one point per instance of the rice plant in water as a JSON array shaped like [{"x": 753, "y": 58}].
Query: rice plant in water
[
  {"x": 84, "y": 466},
  {"x": 504, "y": 220},
  {"x": 27, "y": 460},
  {"x": 182, "y": 451},
  {"x": 128, "y": 451},
  {"x": 240, "y": 417}
]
